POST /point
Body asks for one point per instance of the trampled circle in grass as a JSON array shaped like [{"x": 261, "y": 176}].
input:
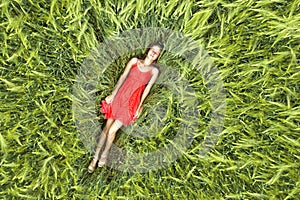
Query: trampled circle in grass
[
  {"x": 180, "y": 113},
  {"x": 254, "y": 44}
]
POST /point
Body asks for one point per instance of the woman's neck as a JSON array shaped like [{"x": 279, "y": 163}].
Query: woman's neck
[{"x": 147, "y": 61}]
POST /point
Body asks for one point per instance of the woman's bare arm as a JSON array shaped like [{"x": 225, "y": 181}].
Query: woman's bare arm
[
  {"x": 121, "y": 80},
  {"x": 155, "y": 73}
]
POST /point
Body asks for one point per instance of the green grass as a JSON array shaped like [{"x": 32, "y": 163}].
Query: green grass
[{"x": 254, "y": 44}]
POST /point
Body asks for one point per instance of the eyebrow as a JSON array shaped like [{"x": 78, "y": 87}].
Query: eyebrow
[{"x": 154, "y": 51}]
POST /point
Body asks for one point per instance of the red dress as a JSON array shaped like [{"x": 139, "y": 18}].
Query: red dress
[{"x": 124, "y": 105}]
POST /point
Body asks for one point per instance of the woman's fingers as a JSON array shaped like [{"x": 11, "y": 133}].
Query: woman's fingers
[
  {"x": 136, "y": 115},
  {"x": 140, "y": 110}
]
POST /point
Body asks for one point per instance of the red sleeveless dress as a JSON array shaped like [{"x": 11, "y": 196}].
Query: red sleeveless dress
[{"x": 126, "y": 101}]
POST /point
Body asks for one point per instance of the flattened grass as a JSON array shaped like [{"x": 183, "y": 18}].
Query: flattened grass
[{"x": 254, "y": 44}]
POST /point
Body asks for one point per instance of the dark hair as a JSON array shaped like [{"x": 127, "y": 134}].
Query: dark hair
[{"x": 158, "y": 43}]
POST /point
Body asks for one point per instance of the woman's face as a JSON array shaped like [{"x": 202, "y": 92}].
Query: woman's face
[{"x": 154, "y": 52}]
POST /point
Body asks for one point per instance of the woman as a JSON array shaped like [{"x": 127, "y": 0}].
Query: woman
[{"x": 124, "y": 104}]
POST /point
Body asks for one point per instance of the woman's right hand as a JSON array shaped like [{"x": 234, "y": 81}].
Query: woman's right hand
[{"x": 109, "y": 98}]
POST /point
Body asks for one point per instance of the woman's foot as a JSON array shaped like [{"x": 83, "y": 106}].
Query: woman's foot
[
  {"x": 102, "y": 161},
  {"x": 92, "y": 165}
]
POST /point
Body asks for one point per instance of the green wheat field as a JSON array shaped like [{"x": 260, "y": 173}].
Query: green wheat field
[{"x": 253, "y": 43}]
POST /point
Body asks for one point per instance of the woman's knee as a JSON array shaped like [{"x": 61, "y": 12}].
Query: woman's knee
[
  {"x": 111, "y": 132},
  {"x": 105, "y": 130},
  {"x": 114, "y": 127},
  {"x": 107, "y": 126}
]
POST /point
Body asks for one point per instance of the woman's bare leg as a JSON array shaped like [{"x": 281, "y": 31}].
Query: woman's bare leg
[
  {"x": 103, "y": 137},
  {"x": 100, "y": 143},
  {"x": 110, "y": 138}
]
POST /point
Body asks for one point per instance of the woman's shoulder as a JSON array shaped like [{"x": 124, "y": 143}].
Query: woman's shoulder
[
  {"x": 134, "y": 60},
  {"x": 155, "y": 68}
]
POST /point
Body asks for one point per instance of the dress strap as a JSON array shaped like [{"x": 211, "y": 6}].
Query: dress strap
[{"x": 136, "y": 64}]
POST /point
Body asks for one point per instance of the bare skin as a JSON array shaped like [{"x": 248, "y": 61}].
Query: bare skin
[{"x": 112, "y": 126}]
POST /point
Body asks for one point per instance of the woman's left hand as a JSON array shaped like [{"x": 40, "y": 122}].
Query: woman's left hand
[
  {"x": 138, "y": 112},
  {"x": 136, "y": 115}
]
